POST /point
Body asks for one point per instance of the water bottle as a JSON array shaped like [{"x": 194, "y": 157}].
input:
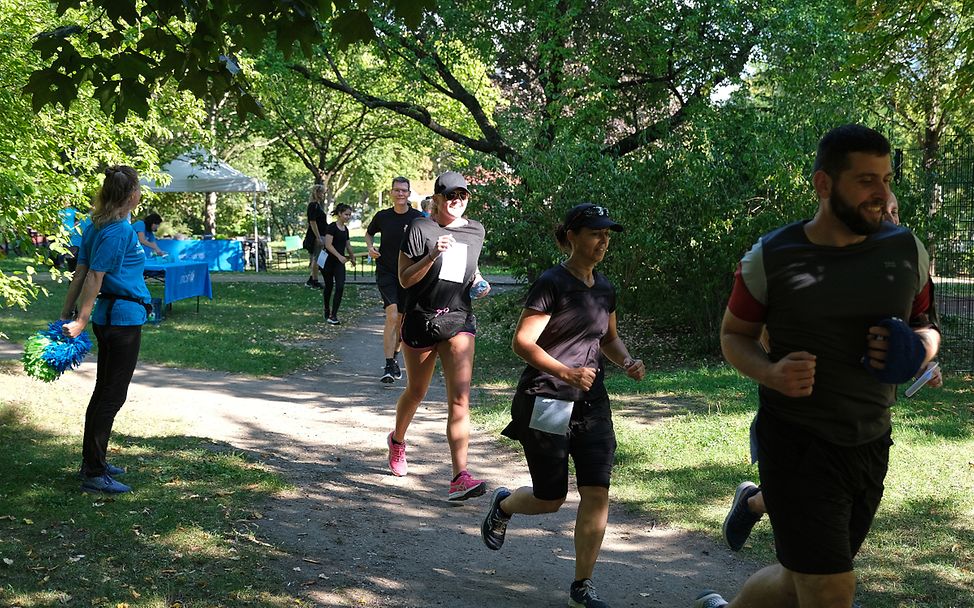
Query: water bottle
[{"x": 478, "y": 289}]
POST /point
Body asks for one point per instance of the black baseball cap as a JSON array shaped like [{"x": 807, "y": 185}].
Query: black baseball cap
[
  {"x": 588, "y": 215},
  {"x": 448, "y": 182}
]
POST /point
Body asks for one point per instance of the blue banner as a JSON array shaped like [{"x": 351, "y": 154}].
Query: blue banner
[
  {"x": 182, "y": 279},
  {"x": 218, "y": 254}
]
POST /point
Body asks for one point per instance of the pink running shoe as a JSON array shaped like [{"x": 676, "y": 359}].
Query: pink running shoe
[
  {"x": 465, "y": 487},
  {"x": 397, "y": 457}
]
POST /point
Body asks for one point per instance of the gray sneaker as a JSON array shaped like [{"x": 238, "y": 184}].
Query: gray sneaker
[
  {"x": 740, "y": 521},
  {"x": 709, "y": 599},
  {"x": 495, "y": 524},
  {"x": 582, "y": 595}
]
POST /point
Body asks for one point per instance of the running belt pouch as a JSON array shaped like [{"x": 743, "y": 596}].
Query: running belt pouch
[
  {"x": 904, "y": 353},
  {"x": 443, "y": 326},
  {"x": 551, "y": 415}
]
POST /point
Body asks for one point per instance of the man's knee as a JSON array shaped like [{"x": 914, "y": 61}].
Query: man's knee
[{"x": 824, "y": 590}]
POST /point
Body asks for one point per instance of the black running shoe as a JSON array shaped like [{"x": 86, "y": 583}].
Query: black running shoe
[
  {"x": 740, "y": 521},
  {"x": 582, "y": 595},
  {"x": 387, "y": 376},
  {"x": 495, "y": 524},
  {"x": 396, "y": 371}
]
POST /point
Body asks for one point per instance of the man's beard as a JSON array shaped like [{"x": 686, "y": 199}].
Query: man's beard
[{"x": 849, "y": 215}]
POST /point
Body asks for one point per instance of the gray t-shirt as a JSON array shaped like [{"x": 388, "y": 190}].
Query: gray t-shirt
[{"x": 579, "y": 320}]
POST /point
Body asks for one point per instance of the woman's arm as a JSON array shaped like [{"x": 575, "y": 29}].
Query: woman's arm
[
  {"x": 74, "y": 289},
  {"x": 348, "y": 249},
  {"x": 412, "y": 272},
  {"x": 89, "y": 292},
  {"x": 147, "y": 243},
  {"x": 615, "y": 350},
  {"x": 525, "y": 346}
]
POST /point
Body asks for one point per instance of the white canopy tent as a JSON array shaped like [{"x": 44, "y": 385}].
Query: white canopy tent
[{"x": 200, "y": 171}]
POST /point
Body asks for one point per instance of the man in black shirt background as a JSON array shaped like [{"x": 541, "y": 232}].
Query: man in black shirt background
[{"x": 391, "y": 224}]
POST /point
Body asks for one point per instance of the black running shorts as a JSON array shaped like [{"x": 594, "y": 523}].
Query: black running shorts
[
  {"x": 821, "y": 497},
  {"x": 389, "y": 288},
  {"x": 590, "y": 441}
]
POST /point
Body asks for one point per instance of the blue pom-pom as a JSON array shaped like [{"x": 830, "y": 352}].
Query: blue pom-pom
[{"x": 64, "y": 352}]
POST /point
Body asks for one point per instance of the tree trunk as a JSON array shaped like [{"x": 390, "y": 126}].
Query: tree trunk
[{"x": 209, "y": 214}]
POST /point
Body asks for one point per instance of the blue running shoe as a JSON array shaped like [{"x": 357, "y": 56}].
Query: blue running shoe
[
  {"x": 104, "y": 484},
  {"x": 110, "y": 469}
]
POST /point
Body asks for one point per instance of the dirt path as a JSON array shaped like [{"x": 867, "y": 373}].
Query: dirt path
[{"x": 362, "y": 537}]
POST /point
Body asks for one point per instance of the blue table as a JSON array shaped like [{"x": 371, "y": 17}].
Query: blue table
[
  {"x": 218, "y": 254},
  {"x": 182, "y": 279}
]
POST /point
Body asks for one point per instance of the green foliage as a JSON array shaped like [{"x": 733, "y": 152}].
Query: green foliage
[{"x": 127, "y": 51}]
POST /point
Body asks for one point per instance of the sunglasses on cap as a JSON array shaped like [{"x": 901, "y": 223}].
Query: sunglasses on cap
[{"x": 590, "y": 212}]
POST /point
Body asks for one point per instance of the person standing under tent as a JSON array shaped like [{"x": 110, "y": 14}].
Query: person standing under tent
[{"x": 146, "y": 231}]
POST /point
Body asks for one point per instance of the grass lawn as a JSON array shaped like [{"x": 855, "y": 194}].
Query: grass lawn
[
  {"x": 186, "y": 538},
  {"x": 683, "y": 448},
  {"x": 255, "y": 328}
]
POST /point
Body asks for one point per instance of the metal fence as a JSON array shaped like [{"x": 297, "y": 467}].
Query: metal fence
[{"x": 937, "y": 201}]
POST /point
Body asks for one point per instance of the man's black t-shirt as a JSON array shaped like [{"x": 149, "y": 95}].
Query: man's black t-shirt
[
  {"x": 392, "y": 226},
  {"x": 579, "y": 320},
  {"x": 434, "y": 293},
  {"x": 317, "y": 215}
]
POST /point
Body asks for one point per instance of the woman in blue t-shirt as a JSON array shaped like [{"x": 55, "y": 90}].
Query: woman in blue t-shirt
[
  {"x": 108, "y": 289},
  {"x": 145, "y": 229},
  {"x": 560, "y": 409},
  {"x": 338, "y": 246}
]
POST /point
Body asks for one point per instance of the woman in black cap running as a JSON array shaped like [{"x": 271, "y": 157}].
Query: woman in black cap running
[
  {"x": 561, "y": 408},
  {"x": 437, "y": 267}
]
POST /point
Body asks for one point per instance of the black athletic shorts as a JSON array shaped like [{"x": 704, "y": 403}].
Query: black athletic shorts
[
  {"x": 389, "y": 288},
  {"x": 415, "y": 334},
  {"x": 590, "y": 441},
  {"x": 821, "y": 497}
]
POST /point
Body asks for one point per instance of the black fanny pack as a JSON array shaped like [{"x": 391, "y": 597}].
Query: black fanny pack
[
  {"x": 112, "y": 297},
  {"x": 446, "y": 323}
]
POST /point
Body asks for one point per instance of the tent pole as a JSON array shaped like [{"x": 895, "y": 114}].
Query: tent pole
[{"x": 256, "y": 238}]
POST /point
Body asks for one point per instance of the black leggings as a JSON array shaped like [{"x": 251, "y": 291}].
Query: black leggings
[
  {"x": 118, "y": 352},
  {"x": 333, "y": 275}
]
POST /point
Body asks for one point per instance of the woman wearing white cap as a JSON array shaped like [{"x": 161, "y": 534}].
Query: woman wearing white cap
[
  {"x": 437, "y": 266},
  {"x": 561, "y": 408}
]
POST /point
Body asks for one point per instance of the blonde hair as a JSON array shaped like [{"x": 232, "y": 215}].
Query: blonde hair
[
  {"x": 317, "y": 194},
  {"x": 120, "y": 184}
]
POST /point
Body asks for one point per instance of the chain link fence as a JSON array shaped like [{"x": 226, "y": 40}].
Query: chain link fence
[{"x": 936, "y": 193}]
